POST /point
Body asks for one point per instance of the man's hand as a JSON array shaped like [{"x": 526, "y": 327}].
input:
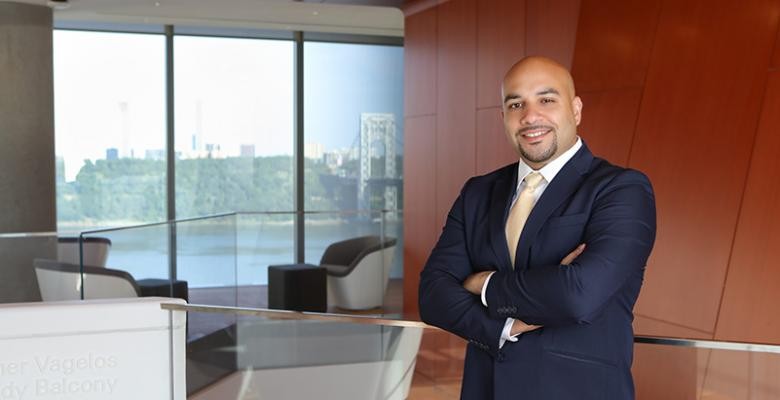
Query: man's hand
[
  {"x": 574, "y": 254},
  {"x": 519, "y": 327},
  {"x": 475, "y": 282}
]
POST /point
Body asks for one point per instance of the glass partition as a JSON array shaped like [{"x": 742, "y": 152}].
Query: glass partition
[
  {"x": 263, "y": 239},
  {"x": 353, "y": 261},
  {"x": 271, "y": 354},
  {"x": 671, "y": 368},
  {"x": 170, "y": 259}
]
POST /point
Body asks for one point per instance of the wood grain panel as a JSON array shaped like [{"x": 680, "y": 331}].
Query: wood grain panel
[
  {"x": 500, "y": 43},
  {"x": 420, "y": 64},
  {"x": 614, "y": 42},
  {"x": 775, "y": 63},
  {"x": 493, "y": 148},
  {"x": 694, "y": 139},
  {"x": 420, "y": 231},
  {"x": 645, "y": 326},
  {"x": 608, "y": 122},
  {"x": 753, "y": 276},
  {"x": 551, "y": 29},
  {"x": 456, "y": 101}
]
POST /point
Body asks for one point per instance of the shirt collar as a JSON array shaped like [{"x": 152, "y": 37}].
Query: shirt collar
[{"x": 552, "y": 168}]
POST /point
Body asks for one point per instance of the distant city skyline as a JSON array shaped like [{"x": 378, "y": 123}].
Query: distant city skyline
[{"x": 109, "y": 94}]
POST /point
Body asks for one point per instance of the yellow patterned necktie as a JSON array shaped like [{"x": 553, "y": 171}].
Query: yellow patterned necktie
[{"x": 520, "y": 211}]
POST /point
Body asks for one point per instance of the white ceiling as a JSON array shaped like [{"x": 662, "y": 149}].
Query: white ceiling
[{"x": 368, "y": 17}]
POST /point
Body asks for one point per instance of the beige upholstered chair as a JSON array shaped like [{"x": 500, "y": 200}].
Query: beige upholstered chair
[
  {"x": 358, "y": 271},
  {"x": 63, "y": 281},
  {"x": 95, "y": 250}
]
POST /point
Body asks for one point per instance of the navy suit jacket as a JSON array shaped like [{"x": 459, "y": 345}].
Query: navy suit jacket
[{"x": 584, "y": 350}]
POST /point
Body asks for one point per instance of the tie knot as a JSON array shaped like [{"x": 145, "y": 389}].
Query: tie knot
[{"x": 533, "y": 180}]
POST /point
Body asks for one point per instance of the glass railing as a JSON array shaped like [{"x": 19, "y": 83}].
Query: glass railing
[
  {"x": 673, "y": 368},
  {"x": 275, "y": 354},
  {"x": 293, "y": 355},
  {"x": 352, "y": 260},
  {"x": 239, "y": 348}
]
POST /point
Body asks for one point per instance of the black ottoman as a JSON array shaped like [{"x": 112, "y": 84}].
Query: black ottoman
[
  {"x": 162, "y": 288},
  {"x": 299, "y": 287}
]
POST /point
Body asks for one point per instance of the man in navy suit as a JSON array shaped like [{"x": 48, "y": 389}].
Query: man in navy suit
[{"x": 550, "y": 317}]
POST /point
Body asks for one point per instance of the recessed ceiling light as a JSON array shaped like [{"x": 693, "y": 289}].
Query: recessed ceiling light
[{"x": 315, "y": 13}]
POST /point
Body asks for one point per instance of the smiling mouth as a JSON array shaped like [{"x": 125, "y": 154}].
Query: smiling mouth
[{"x": 534, "y": 132}]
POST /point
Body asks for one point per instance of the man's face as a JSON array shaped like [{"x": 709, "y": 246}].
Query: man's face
[{"x": 540, "y": 111}]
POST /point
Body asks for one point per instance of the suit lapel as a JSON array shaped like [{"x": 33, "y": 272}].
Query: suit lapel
[
  {"x": 500, "y": 200},
  {"x": 563, "y": 185}
]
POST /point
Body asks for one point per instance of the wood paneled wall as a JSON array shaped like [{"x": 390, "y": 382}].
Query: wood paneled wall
[{"x": 686, "y": 91}]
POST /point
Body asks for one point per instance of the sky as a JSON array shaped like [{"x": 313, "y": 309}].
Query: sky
[{"x": 110, "y": 93}]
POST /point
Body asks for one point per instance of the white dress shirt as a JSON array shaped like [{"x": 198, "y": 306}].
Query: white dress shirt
[{"x": 548, "y": 172}]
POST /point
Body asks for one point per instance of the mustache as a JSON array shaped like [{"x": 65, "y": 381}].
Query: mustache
[{"x": 532, "y": 128}]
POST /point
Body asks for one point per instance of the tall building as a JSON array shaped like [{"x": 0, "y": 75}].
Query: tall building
[{"x": 247, "y": 150}]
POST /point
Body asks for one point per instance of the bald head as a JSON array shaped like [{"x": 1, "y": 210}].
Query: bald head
[
  {"x": 534, "y": 66},
  {"x": 540, "y": 109}
]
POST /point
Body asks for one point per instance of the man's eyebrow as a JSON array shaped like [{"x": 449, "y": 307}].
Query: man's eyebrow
[
  {"x": 543, "y": 92},
  {"x": 547, "y": 91},
  {"x": 512, "y": 96}
]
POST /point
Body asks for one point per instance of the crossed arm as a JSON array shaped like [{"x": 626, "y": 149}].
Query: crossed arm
[
  {"x": 475, "y": 283},
  {"x": 619, "y": 237}
]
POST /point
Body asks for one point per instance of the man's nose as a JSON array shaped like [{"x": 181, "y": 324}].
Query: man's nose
[{"x": 531, "y": 116}]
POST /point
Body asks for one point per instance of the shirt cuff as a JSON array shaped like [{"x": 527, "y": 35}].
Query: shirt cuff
[
  {"x": 505, "y": 333},
  {"x": 484, "y": 289}
]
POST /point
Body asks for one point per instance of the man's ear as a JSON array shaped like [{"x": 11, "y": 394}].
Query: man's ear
[{"x": 576, "y": 105}]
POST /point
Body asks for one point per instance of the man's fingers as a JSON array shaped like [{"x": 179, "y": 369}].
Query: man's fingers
[
  {"x": 519, "y": 327},
  {"x": 573, "y": 255}
]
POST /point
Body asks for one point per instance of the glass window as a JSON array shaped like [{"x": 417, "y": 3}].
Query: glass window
[
  {"x": 109, "y": 99},
  {"x": 353, "y": 138},
  {"x": 353, "y": 124},
  {"x": 234, "y": 125}
]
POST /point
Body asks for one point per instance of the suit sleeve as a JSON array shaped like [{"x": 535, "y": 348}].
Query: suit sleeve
[
  {"x": 443, "y": 300},
  {"x": 619, "y": 237}
]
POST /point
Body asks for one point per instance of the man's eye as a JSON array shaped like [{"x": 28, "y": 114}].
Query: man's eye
[
  {"x": 515, "y": 106},
  {"x": 547, "y": 100}
]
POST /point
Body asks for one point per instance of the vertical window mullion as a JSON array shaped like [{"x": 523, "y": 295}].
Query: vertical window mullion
[
  {"x": 300, "y": 217},
  {"x": 170, "y": 151}
]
